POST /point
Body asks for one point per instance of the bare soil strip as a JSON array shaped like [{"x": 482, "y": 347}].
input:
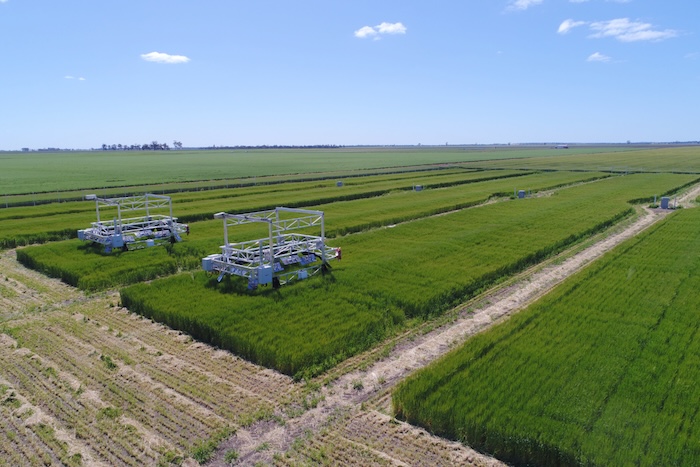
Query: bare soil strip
[{"x": 359, "y": 400}]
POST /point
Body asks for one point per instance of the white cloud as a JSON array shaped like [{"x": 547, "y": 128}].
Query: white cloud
[
  {"x": 80, "y": 78},
  {"x": 3, "y": 1},
  {"x": 160, "y": 57},
  {"x": 391, "y": 28},
  {"x": 568, "y": 24},
  {"x": 518, "y": 5},
  {"x": 598, "y": 57},
  {"x": 365, "y": 31},
  {"x": 625, "y": 30},
  {"x": 692, "y": 56},
  {"x": 384, "y": 28}
]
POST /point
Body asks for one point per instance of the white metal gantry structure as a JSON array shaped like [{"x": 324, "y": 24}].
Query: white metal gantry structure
[
  {"x": 280, "y": 257},
  {"x": 153, "y": 223}
]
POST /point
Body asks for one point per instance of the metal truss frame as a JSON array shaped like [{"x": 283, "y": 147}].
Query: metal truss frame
[
  {"x": 263, "y": 260},
  {"x": 150, "y": 227}
]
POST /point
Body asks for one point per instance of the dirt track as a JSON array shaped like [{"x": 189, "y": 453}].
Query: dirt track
[{"x": 351, "y": 394}]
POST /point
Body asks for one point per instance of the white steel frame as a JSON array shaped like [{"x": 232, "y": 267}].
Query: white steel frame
[
  {"x": 146, "y": 229},
  {"x": 262, "y": 259}
]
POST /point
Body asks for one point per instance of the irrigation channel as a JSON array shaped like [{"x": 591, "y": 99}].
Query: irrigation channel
[{"x": 362, "y": 396}]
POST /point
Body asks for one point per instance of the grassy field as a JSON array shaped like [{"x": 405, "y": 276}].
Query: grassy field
[
  {"x": 600, "y": 372},
  {"x": 52, "y": 172}
]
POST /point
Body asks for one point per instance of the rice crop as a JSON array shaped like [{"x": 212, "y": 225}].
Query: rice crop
[
  {"x": 413, "y": 270},
  {"x": 59, "y": 221},
  {"x": 86, "y": 267},
  {"x": 600, "y": 372}
]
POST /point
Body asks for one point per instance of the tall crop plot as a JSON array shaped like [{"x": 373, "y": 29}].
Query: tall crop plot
[
  {"x": 415, "y": 269},
  {"x": 354, "y": 216},
  {"x": 602, "y": 371},
  {"x": 87, "y": 268},
  {"x": 427, "y": 266},
  {"x": 43, "y": 223}
]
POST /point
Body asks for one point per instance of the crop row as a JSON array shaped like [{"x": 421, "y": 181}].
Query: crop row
[
  {"x": 41, "y": 224},
  {"x": 372, "y": 182},
  {"x": 399, "y": 441},
  {"x": 39, "y": 382},
  {"x": 599, "y": 372},
  {"x": 330, "y": 448},
  {"x": 146, "y": 337},
  {"x": 37, "y": 198},
  {"x": 86, "y": 267},
  {"x": 412, "y": 270},
  {"x": 123, "y": 390},
  {"x": 185, "y": 372},
  {"x": 19, "y": 444}
]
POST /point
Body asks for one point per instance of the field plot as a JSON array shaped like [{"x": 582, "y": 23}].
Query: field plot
[
  {"x": 413, "y": 270},
  {"x": 33, "y": 198},
  {"x": 85, "y": 382},
  {"x": 673, "y": 159},
  {"x": 86, "y": 267},
  {"x": 602, "y": 371},
  {"x": 58, "y": 221}
]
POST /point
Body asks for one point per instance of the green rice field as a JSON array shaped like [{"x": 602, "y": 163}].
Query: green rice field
[
  {"x": 416, "y": 269},
  {"x": 601, "y": 371}
]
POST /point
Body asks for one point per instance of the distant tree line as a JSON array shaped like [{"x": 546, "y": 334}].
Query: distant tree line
[
  {"x": 153, "y": 146},
  {"x": 279, "y": 146}
]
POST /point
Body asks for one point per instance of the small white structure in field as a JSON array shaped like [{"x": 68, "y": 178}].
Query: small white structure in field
[
  {"x": 154, "y": 224},
  {"x": 263, "y": 261}
]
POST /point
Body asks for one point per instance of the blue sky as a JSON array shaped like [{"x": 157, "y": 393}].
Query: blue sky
[{"x": 80, "y": 73}]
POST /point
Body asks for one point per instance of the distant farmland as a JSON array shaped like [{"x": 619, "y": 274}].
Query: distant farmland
[{"x": 22, "y": 173}]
